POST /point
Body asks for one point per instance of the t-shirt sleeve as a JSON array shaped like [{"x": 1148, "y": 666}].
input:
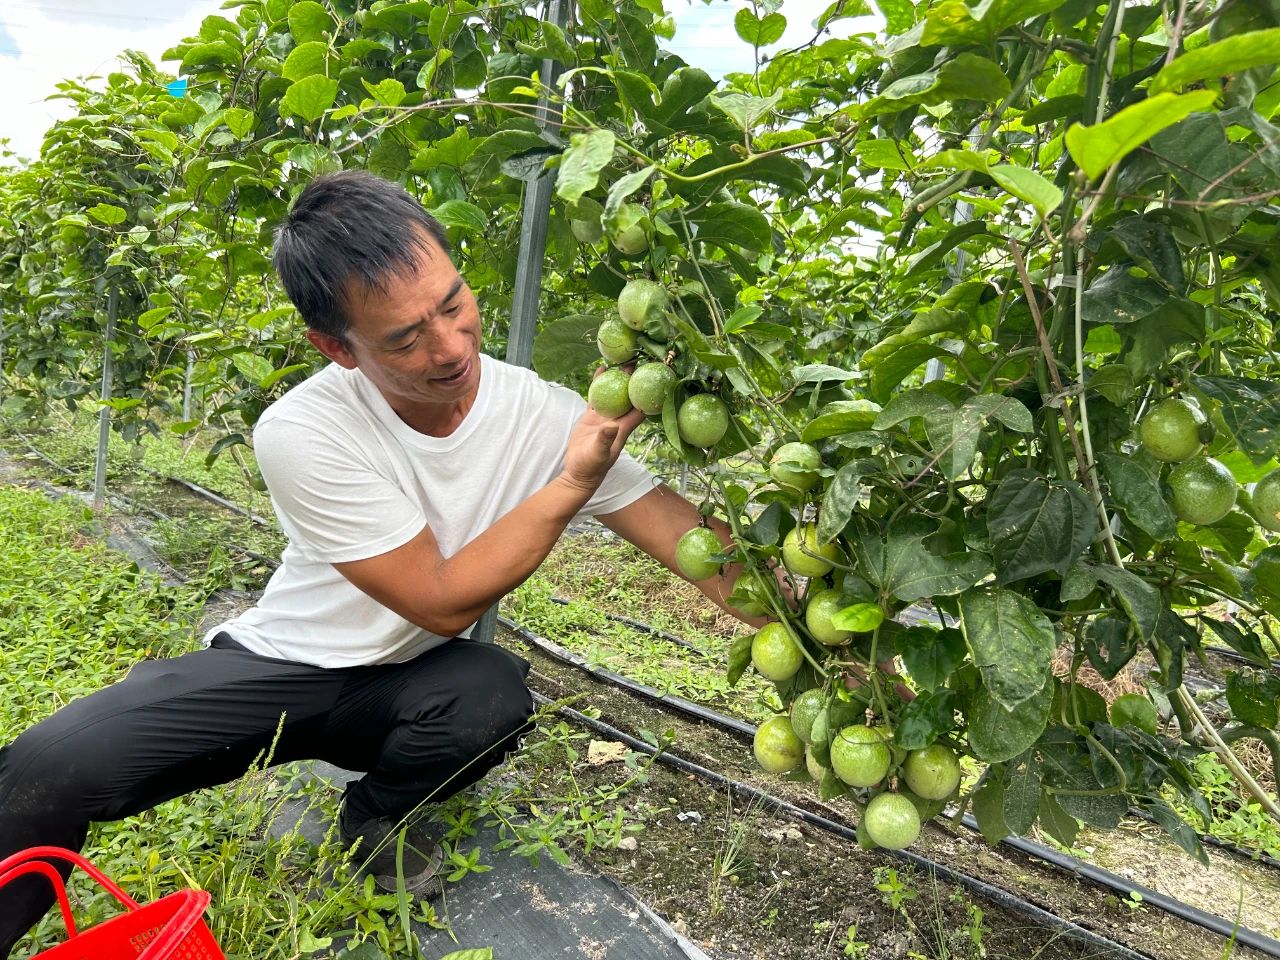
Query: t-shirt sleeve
[{"x": 333, "y": 506}]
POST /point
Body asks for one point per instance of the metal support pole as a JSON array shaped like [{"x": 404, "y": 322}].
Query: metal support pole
[
  {"x": 104, "y": 415},
  {"x": 529, "y": 262},
  {"x": 189, "y": 437}
]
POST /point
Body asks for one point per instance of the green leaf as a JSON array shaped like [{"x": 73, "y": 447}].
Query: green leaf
[
  {"x": 1057, "y": 822},
  {"x": 730, "y": 224},
  {"x": 1136, "y": 491},
  {"x": 897, "y": 366},
  {"x": 389, "y": 91},
  {"x": 309, "y": 21},
  {"x": 839, "y": 500},
  {"x": 1216, "y": 60},
  {"x": 580, "y": 167},
  {"x": 1022, "y": 798},
  {"x": 239, "y": 121},
  {"x": 743, "y": 109},
  {"x": 484, "y": 953},
  {"x": 107, "y": 213},
  {"x": 759, "y": 31},
  {"x": 565, "y": 349},
  {"x": 427, "y": 75},
  {"x": 1119, "y": 297},
  {"x": 1254, "y": 698},
  {"x": 901, "y": 566},
  {"x": 925, "y": 719},
  {"x": 1152, "y": 246},
  {"x": 1113, "y": 381},
  {"x": 1251, "y": 409},
  {"x": 956, "y": 23},
  {"x": 1029, "y": 186},
  {"x": 768, "y": 529},
  {"x": 964, "y": 77},
  {"x": 251, "y": 366},
  {"x": 988, "y": 809},
  {"x": 1011, "y": 641},
  {"x": 305, "y": 60},
  {"x": 933, "y": 254},
  {"x": 930, "y": 656},
  {"x": 1245, "y": 643},
  {"x": 309, "y": 98},
  {"x": 1037, "y": 525},
  {"x": 885, "y": 154},
  {"x": 461, "y": 214},
  {"x": 739, "y": 658},
  {"x": 898, "y": 15},
  {"x": 623, "y": 188},
  {"x": 1140, "y": 600},
  {"x": 1110, "y": 644},
  {"x": 1097, "y": 147},
  {"x": 996, "y": 733},
  {"x": 954, "y": 435},
  {"x": 859, "y": 617},
  {"x": 908, "y": 405}
]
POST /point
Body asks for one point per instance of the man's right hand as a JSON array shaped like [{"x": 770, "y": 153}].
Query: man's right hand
[{"x": 595, "y": 445}]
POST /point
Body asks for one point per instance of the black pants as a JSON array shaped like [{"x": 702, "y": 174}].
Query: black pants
[{"x": 420, "y": 730}]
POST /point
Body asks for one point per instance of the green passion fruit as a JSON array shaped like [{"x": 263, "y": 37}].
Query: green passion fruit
[
  {"x": 1266, "y": 501},
  {"x": 804, "y": 711},
  {"x": 859, "y": 756},
  {"x": 777, "y": 748},
  {"x": 642, "y": 301},
  {"x": 694, "y": 551},
  {"x": 1172, "y": 430},
  {"x": 932, "y": 773},
  {"x": 822, "y": 606},
  {"x": 608, "y": 393},
  {"x": 804, "y": 556},
  {"x": 1204, "y": 491},
  {"x": 703, "y": 420},
  {"x": 795, "y": 467},
  {"x": 650, "y": 385},
  {"x": 775, "y": 652},
  {"x": 892, "y": 821},
  {"x": 616, "y": 341}
]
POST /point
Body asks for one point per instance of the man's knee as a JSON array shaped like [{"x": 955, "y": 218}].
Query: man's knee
[
  {"x": 493, "y": 717},
  {"x": 42, "y": 772}
]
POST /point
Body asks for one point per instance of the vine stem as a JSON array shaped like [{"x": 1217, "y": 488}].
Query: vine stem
[{"x": 1219, "y": 746}]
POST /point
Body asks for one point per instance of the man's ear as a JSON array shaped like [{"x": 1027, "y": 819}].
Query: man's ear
[{"x": 334, "y": 348}]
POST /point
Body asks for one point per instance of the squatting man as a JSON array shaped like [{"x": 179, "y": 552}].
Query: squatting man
[{"x": 418, "y": 481}]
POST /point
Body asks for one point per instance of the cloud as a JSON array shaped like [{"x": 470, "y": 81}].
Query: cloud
[{"x": 58, "y": 40}]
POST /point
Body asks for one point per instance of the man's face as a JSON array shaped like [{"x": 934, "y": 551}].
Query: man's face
[{"x": 418, "y": 343}]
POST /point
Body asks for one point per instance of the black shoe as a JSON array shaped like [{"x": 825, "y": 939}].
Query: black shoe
[{"x": 375, "y": 843}]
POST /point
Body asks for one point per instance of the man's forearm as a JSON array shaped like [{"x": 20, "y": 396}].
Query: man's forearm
[{"x": 507, "y": 553}]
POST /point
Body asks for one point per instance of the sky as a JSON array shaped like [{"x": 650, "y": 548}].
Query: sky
[{"x": 45, "y": 41}]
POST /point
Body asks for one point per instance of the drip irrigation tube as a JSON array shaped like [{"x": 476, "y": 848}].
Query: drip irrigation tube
[
  {"x": 695, "y": 710},
  {"x": 993, "y": 893},
  {"x": 1030, "y": 848},
  {"x": 644, "y": 628},
  {"x": 212, "y": 497}
]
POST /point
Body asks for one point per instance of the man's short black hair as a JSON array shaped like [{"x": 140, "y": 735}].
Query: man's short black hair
[{"x": 345, "y": 232}]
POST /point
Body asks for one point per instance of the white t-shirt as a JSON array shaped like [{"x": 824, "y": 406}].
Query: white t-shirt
[{"x": 350, "y": 480}]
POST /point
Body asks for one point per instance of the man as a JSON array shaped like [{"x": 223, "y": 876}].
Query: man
[{"x": 418, "y": 482}]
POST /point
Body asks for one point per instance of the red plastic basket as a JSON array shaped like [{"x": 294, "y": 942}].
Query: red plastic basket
[{"x": 172, "y": 927}]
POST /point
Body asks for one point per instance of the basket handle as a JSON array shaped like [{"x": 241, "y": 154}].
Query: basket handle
[
  {"x": 55, "y": 878},
  {"x": 8, "y": 866}
]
